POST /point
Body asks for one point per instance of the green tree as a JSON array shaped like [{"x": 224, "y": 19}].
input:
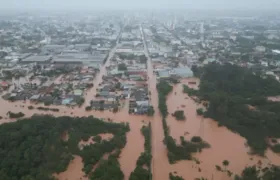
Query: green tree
[
  {"x": 122, "y": 67},
  {"x": 151, "y": 111},
  {"x": 225, "y": 163}
]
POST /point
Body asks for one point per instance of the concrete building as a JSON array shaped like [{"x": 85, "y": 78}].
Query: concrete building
[
  {"x": 182, "y": 72},
  {"x": 37, "y": 59},
  {"x": 79, "y": 58}
]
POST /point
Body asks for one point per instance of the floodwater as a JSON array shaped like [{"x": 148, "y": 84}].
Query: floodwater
[
  {"x": 129, "y": 154},
  {"x": 225, "y": 145},
  {"x": 274, "y": 98},
  {"x": 104, "y": 136},
  {"x": 74, "y": 170},
  {"x": 135, "y": 141}
]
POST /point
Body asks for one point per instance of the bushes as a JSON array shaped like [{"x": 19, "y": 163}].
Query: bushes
[
  {"x": 184, "y": 150},
  {"x": 122, "y": 67},
  {"x": 268, "y": 173},
  {"x": 174, "y": 177},
  {"x": 276, "y": 148},
  {"x": 179, "y": 115},
  {"x": 164, "y": 89},
  {"x": 80, "y": 101},
  {"x": 151, "y": 111},
  {"x": 218, "y": 168},
  {"x": 189, "y": 91},
  {"x": 30, "y": 107},
  {"x": 196, "y": 139},
  {"x": 48, "y": 109},
  {"x": 15, "y": 115},
  {"x": 88, "y": 108},
  {"x": 199, "y": 111},
  {"x": 115, "y": 110}
]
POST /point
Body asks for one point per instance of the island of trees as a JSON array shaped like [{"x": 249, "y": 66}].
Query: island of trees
[
  {"x": 231, "y": 91},
  {"x": 33, "y": 148},
  {"x": 179, "y": 115}
]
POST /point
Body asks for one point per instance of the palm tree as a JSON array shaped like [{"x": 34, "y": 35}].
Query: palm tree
[{"x": 225, "y": 163}]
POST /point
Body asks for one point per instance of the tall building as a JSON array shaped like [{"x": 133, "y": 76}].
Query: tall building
[{"x": 202, "y": 31}]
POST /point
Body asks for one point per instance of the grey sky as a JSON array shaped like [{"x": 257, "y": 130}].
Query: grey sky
[{"x": 140, "y": 4}]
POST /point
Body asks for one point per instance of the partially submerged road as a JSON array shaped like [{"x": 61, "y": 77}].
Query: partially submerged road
[
  {"x": 160, "y": 162},
  {"x": 98, "y": 79}
]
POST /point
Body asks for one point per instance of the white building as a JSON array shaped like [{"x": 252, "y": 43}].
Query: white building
[{"x": 260, "y": 49}]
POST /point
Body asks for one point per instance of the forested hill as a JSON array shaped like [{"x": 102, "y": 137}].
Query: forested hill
[
  {"x": 231, "y": 91},
  {"x": 33, "y": 149}
]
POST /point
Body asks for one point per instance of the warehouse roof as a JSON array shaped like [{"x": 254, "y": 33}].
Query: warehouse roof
[{"x": 37, "y": 58}]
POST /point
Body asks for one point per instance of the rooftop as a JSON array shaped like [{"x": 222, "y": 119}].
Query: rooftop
[{"x": 37, "y": 59}]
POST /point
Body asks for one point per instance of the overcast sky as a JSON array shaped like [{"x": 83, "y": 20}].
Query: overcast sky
[{"x": 140, "y": 4}]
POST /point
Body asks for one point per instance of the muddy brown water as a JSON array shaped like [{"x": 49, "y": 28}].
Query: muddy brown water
[
  {"x": 274, "y": 98},
  {"x": 225, "y": 145},
  {"x": 129, "y": 154},
  {"x": 74, "y": 171},
  {"x": 135, "y": 141},
  {"x": 104, "y": 136}
]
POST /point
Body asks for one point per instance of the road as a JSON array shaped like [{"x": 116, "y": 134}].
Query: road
[
  {"x": 158, "y": 148},
  {"x": 98, "y": 79}
]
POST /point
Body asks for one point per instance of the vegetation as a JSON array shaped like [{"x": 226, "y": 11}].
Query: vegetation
[
  {"x": 196, "y": 139},
  {"x": 115, "y": 110},
  {"x": 33, "y": 148},
  {"x": 175, "y": 152},
  {"x": 108, "y": 169},
  {"x": 225, "y": 163},
  {"x": 143, "y": 59},
  {"x": 15, "y": 115},
  {"x": 189, "y": 91},
  {"x": 151, "y": 111},
  {"x": 179, "y": 115},
  {"x": 253, "y": 173},
  {"x": 48, "y": 109},
  {"x": 80, "y": 101},
  {"x": 30, "y": 107},
  {"x": 164, "y": 89},
  {"x": 185, "y": 148},
  {"x": 200, "y": 111},
  {"x": 229, "y": 89},
  {"x": 122, "y": 67},
  {"x": 140, "y": 173},
  {"x": 218, "y": 168},
  {"x": 174, "y": 177},
  {"x": 88, "y": 108}
]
